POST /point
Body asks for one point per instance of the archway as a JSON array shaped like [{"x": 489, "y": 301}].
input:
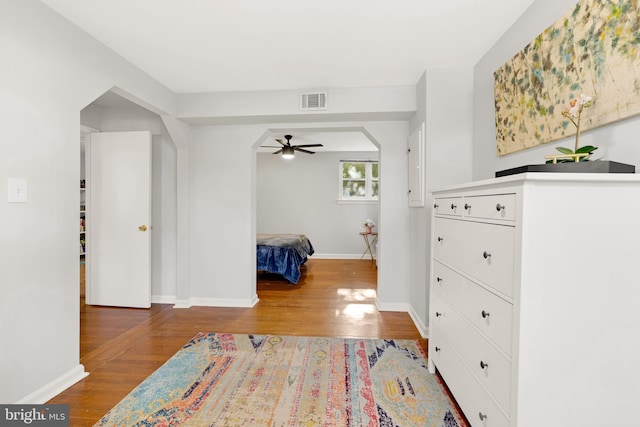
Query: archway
[{"x": 313, "y": 206}]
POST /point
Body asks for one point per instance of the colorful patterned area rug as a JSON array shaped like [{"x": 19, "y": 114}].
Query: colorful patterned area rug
[{"x": 265, "y": 380}]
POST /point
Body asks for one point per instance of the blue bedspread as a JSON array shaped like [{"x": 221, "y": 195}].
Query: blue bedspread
[{"x": 283, "y": 254}]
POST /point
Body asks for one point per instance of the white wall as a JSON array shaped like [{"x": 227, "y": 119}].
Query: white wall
[
  {"x": 224, "y": 206},
  {"x": 300, "y": 196},
  {"x": 393, "y": 224},
  {"x": 617, "y": 141},
  {"x": 377, "y": 103},
  {"x": 444, "y": 102},
  {"x": 51, "y": 70},
  {"x": 384, "y": 112},
  {"x": 222, "y": 222},
  {"x": 163, "y": 182}
]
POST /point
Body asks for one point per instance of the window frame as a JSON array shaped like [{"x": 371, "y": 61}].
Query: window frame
[{"x": 368, "y": 178}]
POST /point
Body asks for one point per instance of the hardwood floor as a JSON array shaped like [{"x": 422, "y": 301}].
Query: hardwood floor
[{"x": 120, "y": 347}]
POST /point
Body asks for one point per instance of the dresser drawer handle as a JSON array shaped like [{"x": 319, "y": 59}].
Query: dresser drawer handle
[
  {"x": 483, "y": 365},
  {"x": 440, "y": 239},
  {"x": 482, "y": 416},
  {"x": 500, "y": 207},
  {"x": 453, "y": 207},
  {"x": 485, "y": 314},
  {"x": 439, "y": 279},
  {"x": 467, "y": 206},
  {"x": 436, "y": 206},
  {"x": 438, "y": 314},
  {"x": 437, "y": 349},
  {"x": 486, "y": 254}
]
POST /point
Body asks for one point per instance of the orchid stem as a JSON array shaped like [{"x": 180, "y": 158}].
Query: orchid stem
[{"x": 577, "y": 134}]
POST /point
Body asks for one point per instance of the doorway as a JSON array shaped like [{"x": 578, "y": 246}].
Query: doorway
[
  {"x": 114, "y": 113},
  {"x": 303, "y": 195}
]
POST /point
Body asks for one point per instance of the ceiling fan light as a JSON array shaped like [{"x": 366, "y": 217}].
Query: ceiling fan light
[{"x": 287, "y": 153}]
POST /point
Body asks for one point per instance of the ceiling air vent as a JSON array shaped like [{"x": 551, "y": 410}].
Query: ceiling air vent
[{"x": 313, "y": 101}]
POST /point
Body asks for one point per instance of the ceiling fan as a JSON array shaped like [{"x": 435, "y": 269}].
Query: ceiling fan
[{"x": 288, "y": 150}]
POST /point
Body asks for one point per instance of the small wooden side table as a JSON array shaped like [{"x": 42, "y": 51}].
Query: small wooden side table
[{"x": 369, "y": 240}]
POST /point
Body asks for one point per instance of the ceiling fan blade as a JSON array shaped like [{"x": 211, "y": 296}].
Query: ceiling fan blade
[
  {"x": 296, "y": 147},
  {"x": 270, "y": 146},
  {"x": 278, "y": 152},
  {"x": 309, "y": 145},
  {"x": 280, "y": 141}
]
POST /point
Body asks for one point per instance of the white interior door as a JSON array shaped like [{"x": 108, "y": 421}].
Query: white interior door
[{"x": 119, "y": 219}]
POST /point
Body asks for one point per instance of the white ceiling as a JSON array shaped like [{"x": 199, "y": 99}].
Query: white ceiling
[{"x": 238, "y": 45}]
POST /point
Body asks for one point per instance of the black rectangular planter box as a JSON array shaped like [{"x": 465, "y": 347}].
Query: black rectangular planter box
[{"x": 597, "y": 166}]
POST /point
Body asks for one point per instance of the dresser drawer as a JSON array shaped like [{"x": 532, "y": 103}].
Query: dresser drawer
[
  {"x": 489, "y": 313},
  {"x": 477, "y": 405},
  {"x": 491, "y": 368},
  {"x": 498, "y": 207},
  {"x": 448, "y": 206},
  {"x": 483, "y": 251}
]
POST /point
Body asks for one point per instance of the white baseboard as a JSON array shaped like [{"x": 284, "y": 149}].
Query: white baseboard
[
  {"x": 340, "y": 256},
  {"x": 163, "y": 299},
  {"x": 393, "y": 306},
  {"x": 406, "y": 308},
  {"x": 55, "y": 387},
  {"x": 217, "y": 302},
  {"x": 182, "y": 303},
  {"x": 422, "y": 328}
]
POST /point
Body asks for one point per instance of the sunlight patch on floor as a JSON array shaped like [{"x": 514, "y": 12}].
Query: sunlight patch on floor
[
  {"x": 360, "y": 299},
  {"x": 356, "y": 311},
  {"x": 357, "y": 294}
]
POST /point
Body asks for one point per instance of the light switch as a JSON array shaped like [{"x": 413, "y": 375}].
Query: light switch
[{"x": 17, "y": 190}]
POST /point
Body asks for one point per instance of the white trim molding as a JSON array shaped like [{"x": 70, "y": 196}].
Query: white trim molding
[
  {"x": 393, "y": 306},
  {"x": 422, "y": 328},
  {"x": 163, "y": 299},
  {"x": 406, "y": 308},
  {"x": 217, "y": 302},
  {"x": 55, "y": 387},
  {"x": 338, "y": 256}
]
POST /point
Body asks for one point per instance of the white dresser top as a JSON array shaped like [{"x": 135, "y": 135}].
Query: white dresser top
[{"x": 516, "y": 179}]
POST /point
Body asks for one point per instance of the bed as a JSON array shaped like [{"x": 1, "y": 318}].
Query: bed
[{"x": 283, "y": 254}]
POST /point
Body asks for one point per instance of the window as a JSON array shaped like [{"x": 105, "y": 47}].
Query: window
[{"x": 358, "y": 180}]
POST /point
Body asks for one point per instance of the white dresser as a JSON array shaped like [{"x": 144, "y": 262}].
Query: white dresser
[{"x": 534, "y": 312}]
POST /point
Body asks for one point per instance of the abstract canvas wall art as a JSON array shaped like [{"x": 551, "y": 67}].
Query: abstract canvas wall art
[{"x": 594, "y": 50}]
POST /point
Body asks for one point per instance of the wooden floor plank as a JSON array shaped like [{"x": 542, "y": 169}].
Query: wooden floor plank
[{"x": 121, "y": 347}]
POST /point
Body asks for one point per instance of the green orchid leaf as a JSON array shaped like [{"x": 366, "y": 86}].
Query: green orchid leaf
[
  {"x": 564, "y": 150},
  {"x": 586, "y": 149}
]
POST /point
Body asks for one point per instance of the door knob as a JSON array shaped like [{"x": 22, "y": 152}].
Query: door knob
[{"x": 142, "y": 228}]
